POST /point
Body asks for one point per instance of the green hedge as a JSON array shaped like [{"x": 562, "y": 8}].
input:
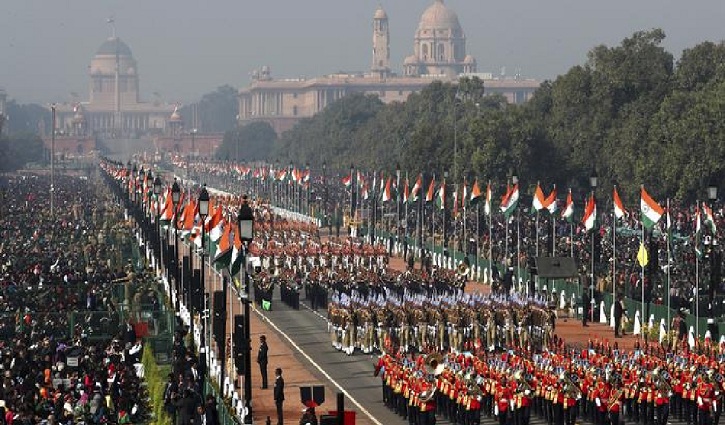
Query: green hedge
[{"x": 156, "y": 377}]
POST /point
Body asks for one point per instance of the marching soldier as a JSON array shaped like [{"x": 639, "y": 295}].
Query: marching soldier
[
  {"x": 615, "y": 405},
  {"x": 705, "y": 396},
  {"x": 503, "y": 399}
]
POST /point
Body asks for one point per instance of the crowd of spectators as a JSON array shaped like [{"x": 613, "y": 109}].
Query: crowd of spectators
[{"x": 66, "y": 356}]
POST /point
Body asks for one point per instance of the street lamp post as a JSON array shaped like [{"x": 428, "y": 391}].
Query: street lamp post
[
  {"x": 593, "y": 180},
  {"x": 157, "y": 238},
  {"x": 245, "y": 221},
  {"x": 175, "y": 200},
  {"x": 203, "y": 213},
  {"x": 324, "y": 195},
  {"x": 397, "y": 203},
  {"x": 712, "y": 190}
]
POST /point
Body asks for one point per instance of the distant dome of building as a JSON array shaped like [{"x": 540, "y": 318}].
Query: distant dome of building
[
  {"x": 439, "y": 17},
  {"x": 380, "y": 13},
  {"x": 469, "y": 59},
  {"x": 112, "y": 46}
]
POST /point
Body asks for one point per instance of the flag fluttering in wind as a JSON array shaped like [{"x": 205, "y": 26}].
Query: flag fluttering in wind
[
  {"x": 619, "y": 210},
  {"x": 551, "y": 203},
  {"x": 568, "y": 211},
  {"x": 415, "y": 191},
  {"x": 651, "y": 210},
  {"x": 475, "y": 193},
  {"x": 709, "y": 217},
  {"x": 431, "y": 191},
  {"x": 489, "y": 197},
  {"x": 590, "y": 214},
  {"x": 539, "y": 200},
  {"x": 510, "y": 200}
]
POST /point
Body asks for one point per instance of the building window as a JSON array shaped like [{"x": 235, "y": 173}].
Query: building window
[
  {"x": 294, "y": 95},
  {"x": 441, "y": 52},
  {"x": 294, "y": 110},
  {"x": 400, "y": 92},
  {"x": 425, "y": 51}
]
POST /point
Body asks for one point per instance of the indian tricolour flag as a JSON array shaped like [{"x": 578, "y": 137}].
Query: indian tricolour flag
[
  {"x": 475, "y": 192},
  {"x": 619, "y": 210},
  {"x": 416, "y": 189},
  {"x": 651, "y": 210},
  {"x": 388, "y": 191},
  {"x": 568, "y": 211},
  {"x": 539, "y": 199},
  {"x": 441, "y": 198},
  {"x": 550, "y": 203},
  {"x": 709, "y": 217},
  {"x": 489, "y": 197},
  {"x": 510, "y": 200},
  {"x": 590, "y": 214},
  {"x": 431, "y": 191}
]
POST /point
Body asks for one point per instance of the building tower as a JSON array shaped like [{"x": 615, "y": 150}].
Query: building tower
[
  {"x": 3, "y": 114},
  {"x": 381, "y": 44}
]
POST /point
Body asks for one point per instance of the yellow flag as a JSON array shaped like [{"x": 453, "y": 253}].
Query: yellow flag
[{"x": 642, "y": 257}]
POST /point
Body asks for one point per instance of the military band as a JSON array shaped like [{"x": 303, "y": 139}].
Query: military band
[{"x": 556, "y": 386}]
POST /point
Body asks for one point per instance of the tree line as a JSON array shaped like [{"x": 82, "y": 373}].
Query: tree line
[{"x": 631, "y": 113}]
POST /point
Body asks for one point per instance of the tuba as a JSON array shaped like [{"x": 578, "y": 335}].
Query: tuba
[
  {"x": 463, "y": 269},
  {"x": 571, "y": 389},
  {"x": 434, "y": 364},
  {"x": 662, "y": 379},
  {"x": 523, "y": 384}
]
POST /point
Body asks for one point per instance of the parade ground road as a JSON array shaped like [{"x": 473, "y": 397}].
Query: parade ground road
[{"x": 305, "y": 332}]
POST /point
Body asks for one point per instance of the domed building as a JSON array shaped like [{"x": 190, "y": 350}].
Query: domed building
[
  {"x": 439, "y": 54},
  {"x": 439, "y": 45},
  {"x": 114, "y": 108}
]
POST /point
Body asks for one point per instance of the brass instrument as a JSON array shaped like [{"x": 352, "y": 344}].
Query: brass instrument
[
  {"x": 434, "y": 364},
  {"x": 614, "y": 398},
  {"x": 571, "y": 389},
  {"x": 662, "y": 379},
  {"x": 427, "y": 395},
  {"x": 523, "y": 383},
  {"x": 463, "y": 269}
]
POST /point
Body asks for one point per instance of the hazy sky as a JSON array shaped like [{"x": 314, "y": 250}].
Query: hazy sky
[{"x": 186, "y": 48}]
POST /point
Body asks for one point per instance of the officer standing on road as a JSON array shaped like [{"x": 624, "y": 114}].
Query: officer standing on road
[
  {"x": 279, "y": 395},
  {"x": 262, "y": 360}
]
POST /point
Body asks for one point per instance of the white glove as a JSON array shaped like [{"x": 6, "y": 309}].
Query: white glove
[
  {"x": 599, "y": 402},
  {"x": 527, "y": 392},
  {"x": 699, "y": 400},
  {"x": 495, "y": 410}
]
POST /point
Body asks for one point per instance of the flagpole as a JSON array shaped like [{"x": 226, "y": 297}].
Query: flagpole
[
  {"x": 478, "y": 229},
  {"x": 405, "y": 231},
  {"x": 642, "y": 315},
  {"x": 669, "y": 262},
  {"x": 614, "y": 256},
  {"x": 697, "y": 283},
  {"x": 490, "y": 231},
  {"x": 463, "y": 202},
  {"x": 553, "y": 232}
]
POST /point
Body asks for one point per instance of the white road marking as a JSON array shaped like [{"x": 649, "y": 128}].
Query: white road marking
[{"x": 318, "y": 367}]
